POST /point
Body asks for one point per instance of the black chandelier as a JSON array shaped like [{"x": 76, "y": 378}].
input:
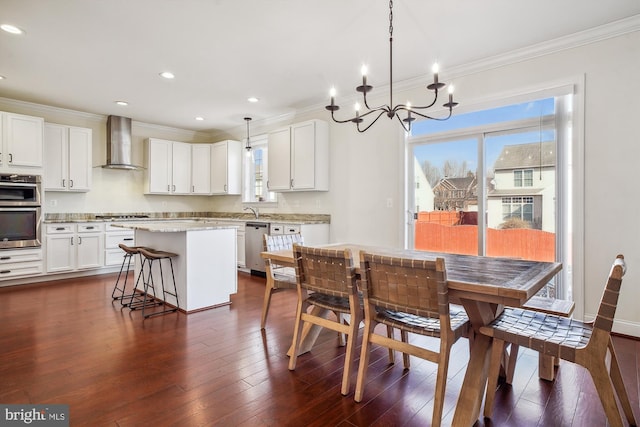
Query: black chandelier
[{"x": 387, "y": 109}]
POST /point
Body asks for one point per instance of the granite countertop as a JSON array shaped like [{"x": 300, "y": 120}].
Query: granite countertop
[
  {"x": 172, "y": 226},
  {"x": 189, "y": 216}
]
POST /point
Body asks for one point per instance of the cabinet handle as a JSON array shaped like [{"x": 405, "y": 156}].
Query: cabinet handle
[
  {"x": 168, "y": 187},
  {"x": 292, "y": 183},
  {"x": 10, "y": 158},
  {"x": 4, "y": 258},
  {"x": 91, "y": 227},
  {"x": 225, "y": 188},
  {"x": 70, "y": 183},
  {"x": 5, "y": 271},
  {"x": 64, "y": 182},
  {"x": 71, "y": 241},
  {"x": 128, "y": 238},
  {"x": 59, "y": 228},
  {"x": 267, "y": 184},
  {"x": 79, "y": 240},
  {"x": 193, "y": 188},
  {"x": 174, "y": 188}
]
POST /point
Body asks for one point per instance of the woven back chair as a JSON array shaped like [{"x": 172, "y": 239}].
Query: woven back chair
[
  {"x": 278, "y": 277},
  {"x": 584, "y": 343},
  {"x": 331, "y": 277},
  {"x": 412, "y": 296}
]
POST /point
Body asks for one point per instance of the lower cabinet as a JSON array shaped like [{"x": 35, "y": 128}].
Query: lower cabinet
[
  {"x": 113, "y": 236},
  {"x": 20, "y": 263},
  {"x": 73, "y": 246},
  {"x": 241, "y": 258}
]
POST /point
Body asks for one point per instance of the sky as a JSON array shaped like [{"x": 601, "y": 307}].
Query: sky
[{"x": 466, "y": 149}]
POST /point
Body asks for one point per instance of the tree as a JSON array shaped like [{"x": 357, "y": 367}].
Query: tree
[
  {"x": 453, "y": 169},
  {"x": 432, "y": 173}
]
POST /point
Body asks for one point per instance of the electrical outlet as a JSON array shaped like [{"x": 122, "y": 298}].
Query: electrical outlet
[
  {"x": 52, "y": 202},
  {"x": 389, "y": 202}
]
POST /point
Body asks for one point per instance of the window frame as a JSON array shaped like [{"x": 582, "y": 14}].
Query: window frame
[{"x": 248, "y": 164}]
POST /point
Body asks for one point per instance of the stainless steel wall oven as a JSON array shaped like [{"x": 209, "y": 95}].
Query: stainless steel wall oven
[{"x": 20, "y": 211}]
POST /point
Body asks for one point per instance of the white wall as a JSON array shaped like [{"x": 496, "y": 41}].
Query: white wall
[{"x": 368, "y": 169}]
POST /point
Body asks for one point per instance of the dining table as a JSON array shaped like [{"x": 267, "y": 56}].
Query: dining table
[{"x": 482, "y": 285}]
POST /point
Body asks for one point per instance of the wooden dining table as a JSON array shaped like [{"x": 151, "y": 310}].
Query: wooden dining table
[{"x": 482, "y": 285}]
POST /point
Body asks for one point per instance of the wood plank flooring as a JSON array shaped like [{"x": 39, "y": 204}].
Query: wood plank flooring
[{"x": 68, "y": 342}]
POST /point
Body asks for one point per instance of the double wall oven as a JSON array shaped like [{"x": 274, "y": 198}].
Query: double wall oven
[{"x": 20, "y": 211}]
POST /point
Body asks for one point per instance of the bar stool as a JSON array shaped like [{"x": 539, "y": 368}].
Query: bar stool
[
  {"x": 151, "y": 255},
  {"x": 129, "y": 253}
]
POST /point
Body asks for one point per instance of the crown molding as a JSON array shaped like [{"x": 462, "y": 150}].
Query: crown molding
[{"x": 48, "y": 109}]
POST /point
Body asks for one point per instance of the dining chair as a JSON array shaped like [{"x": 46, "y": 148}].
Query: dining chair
[
  {"x": 330, "y": 276},
  {"x": 584, "y": 343},
  {"x": 411, "y": 295},
  {"x": 278, "y": 277}
]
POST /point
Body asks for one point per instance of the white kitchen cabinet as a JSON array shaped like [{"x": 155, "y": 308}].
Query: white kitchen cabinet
[
  {"x": 67, "y": 158},
  {"x": 240, "y": 241},
  {"x": 73, "y": 246},
  {"x": 200, "y": 168},
  {"x": 113, "y": 236},
  {"x": 21, "y": 142},
  {"x": 226, "y": 167},
  {"x": 20, "y": 263},
  {"x": 299, "y": 157},
  {"x": 168, "y": 167}
]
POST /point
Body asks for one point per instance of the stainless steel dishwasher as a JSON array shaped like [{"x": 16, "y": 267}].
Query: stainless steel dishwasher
[{"x": 253, "y": 246}]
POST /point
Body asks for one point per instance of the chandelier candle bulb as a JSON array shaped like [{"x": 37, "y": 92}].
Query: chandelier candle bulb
[{"x": 435, "y": 70}]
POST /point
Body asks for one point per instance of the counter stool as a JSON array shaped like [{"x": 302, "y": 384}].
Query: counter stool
[
  {"x": 119, "y": 293},
  {"x": 151, "y": 255}
]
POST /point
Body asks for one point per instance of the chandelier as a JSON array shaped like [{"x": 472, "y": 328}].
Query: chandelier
[{"x": 387, "y": 109}]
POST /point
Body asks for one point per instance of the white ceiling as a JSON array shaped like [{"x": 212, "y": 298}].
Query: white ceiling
[{"x": 85, "y": 54}]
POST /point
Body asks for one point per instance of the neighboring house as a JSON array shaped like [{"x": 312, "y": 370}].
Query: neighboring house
[
  {"x": 424, "y": 192},
  {"x": 524, "y": 186},
  {"x": 456, "y": 194}
]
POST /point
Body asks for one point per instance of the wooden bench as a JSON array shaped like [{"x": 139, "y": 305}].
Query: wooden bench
[{"x": 546, "y": 364}]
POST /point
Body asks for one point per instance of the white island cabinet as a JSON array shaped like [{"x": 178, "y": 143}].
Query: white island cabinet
[{"x": 205, "y": 268}]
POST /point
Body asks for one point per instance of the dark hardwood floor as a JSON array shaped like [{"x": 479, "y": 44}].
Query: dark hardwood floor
[{"x": 67, "y": 342}]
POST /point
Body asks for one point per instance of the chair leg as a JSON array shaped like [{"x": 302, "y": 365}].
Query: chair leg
[
  {"x": 268, "y": 291},
  {"x": 297, "y": 332},
  {"x": 511, "y": 362},
  {"x": 364, "y": 360},
  {"x": 618, "y": 384},
  {"x": 342, "y": 340},
  {"x": 405, "y": 356},
  {"x": 441, "y": 385},
  {"x": 349, "y": 354},
  {"x": 605, "y": 389},
  {"x": 497, "y": 350},
  {"x": 392, "y": 354}
]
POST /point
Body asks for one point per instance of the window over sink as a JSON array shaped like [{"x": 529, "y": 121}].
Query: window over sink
[{"x": 255, "y": 176}]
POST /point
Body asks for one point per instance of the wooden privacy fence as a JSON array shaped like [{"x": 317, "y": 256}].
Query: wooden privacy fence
[{"x": 522, "y": 243}]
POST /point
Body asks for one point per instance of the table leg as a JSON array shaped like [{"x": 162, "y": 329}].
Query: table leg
[{"x": 310, "y": 332}]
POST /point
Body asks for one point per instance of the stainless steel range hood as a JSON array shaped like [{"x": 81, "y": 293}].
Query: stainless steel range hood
[{"x": 119, "y": 144}]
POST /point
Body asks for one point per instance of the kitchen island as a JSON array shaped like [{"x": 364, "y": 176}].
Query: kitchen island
[{"x": 205, "y": 268}]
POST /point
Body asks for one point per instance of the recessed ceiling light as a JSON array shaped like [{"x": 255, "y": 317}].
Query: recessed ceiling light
[
  {"x": 167, "y": 75},
  {"x": 2, "y": 77},
  {"x": 122, "y": 103},
  {"x": 253, "y": 99},
  {"x": 11, "y": 29},
  {"x": 199, "y": 118}
]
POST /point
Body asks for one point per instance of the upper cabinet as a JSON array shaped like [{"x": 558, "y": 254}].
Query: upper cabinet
[
  {"x": 299, "y": 157},
  {"x": 67, "y": 158},
  {"x": 21, "y": 142},
  {"x": 201, "y": 169},
  {"x": 168, "y": 167},
  {"x": 226, "y": 167}
]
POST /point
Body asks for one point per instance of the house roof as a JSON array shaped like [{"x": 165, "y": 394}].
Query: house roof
[
  {"x": 529, "y": 191},
  {"x": 457, "y": 183},
  {"x": 526, "y": 156}
]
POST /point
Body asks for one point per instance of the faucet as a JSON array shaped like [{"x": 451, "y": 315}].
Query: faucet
[{"x": 255, "y": 211}]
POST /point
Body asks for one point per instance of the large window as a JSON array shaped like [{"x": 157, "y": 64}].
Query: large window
[
  {"x": 255, "y": 173},
  {"x": 487, "y": 182}
]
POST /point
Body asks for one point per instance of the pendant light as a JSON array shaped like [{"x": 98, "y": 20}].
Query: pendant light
[{"x": 248, "y": 144}]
